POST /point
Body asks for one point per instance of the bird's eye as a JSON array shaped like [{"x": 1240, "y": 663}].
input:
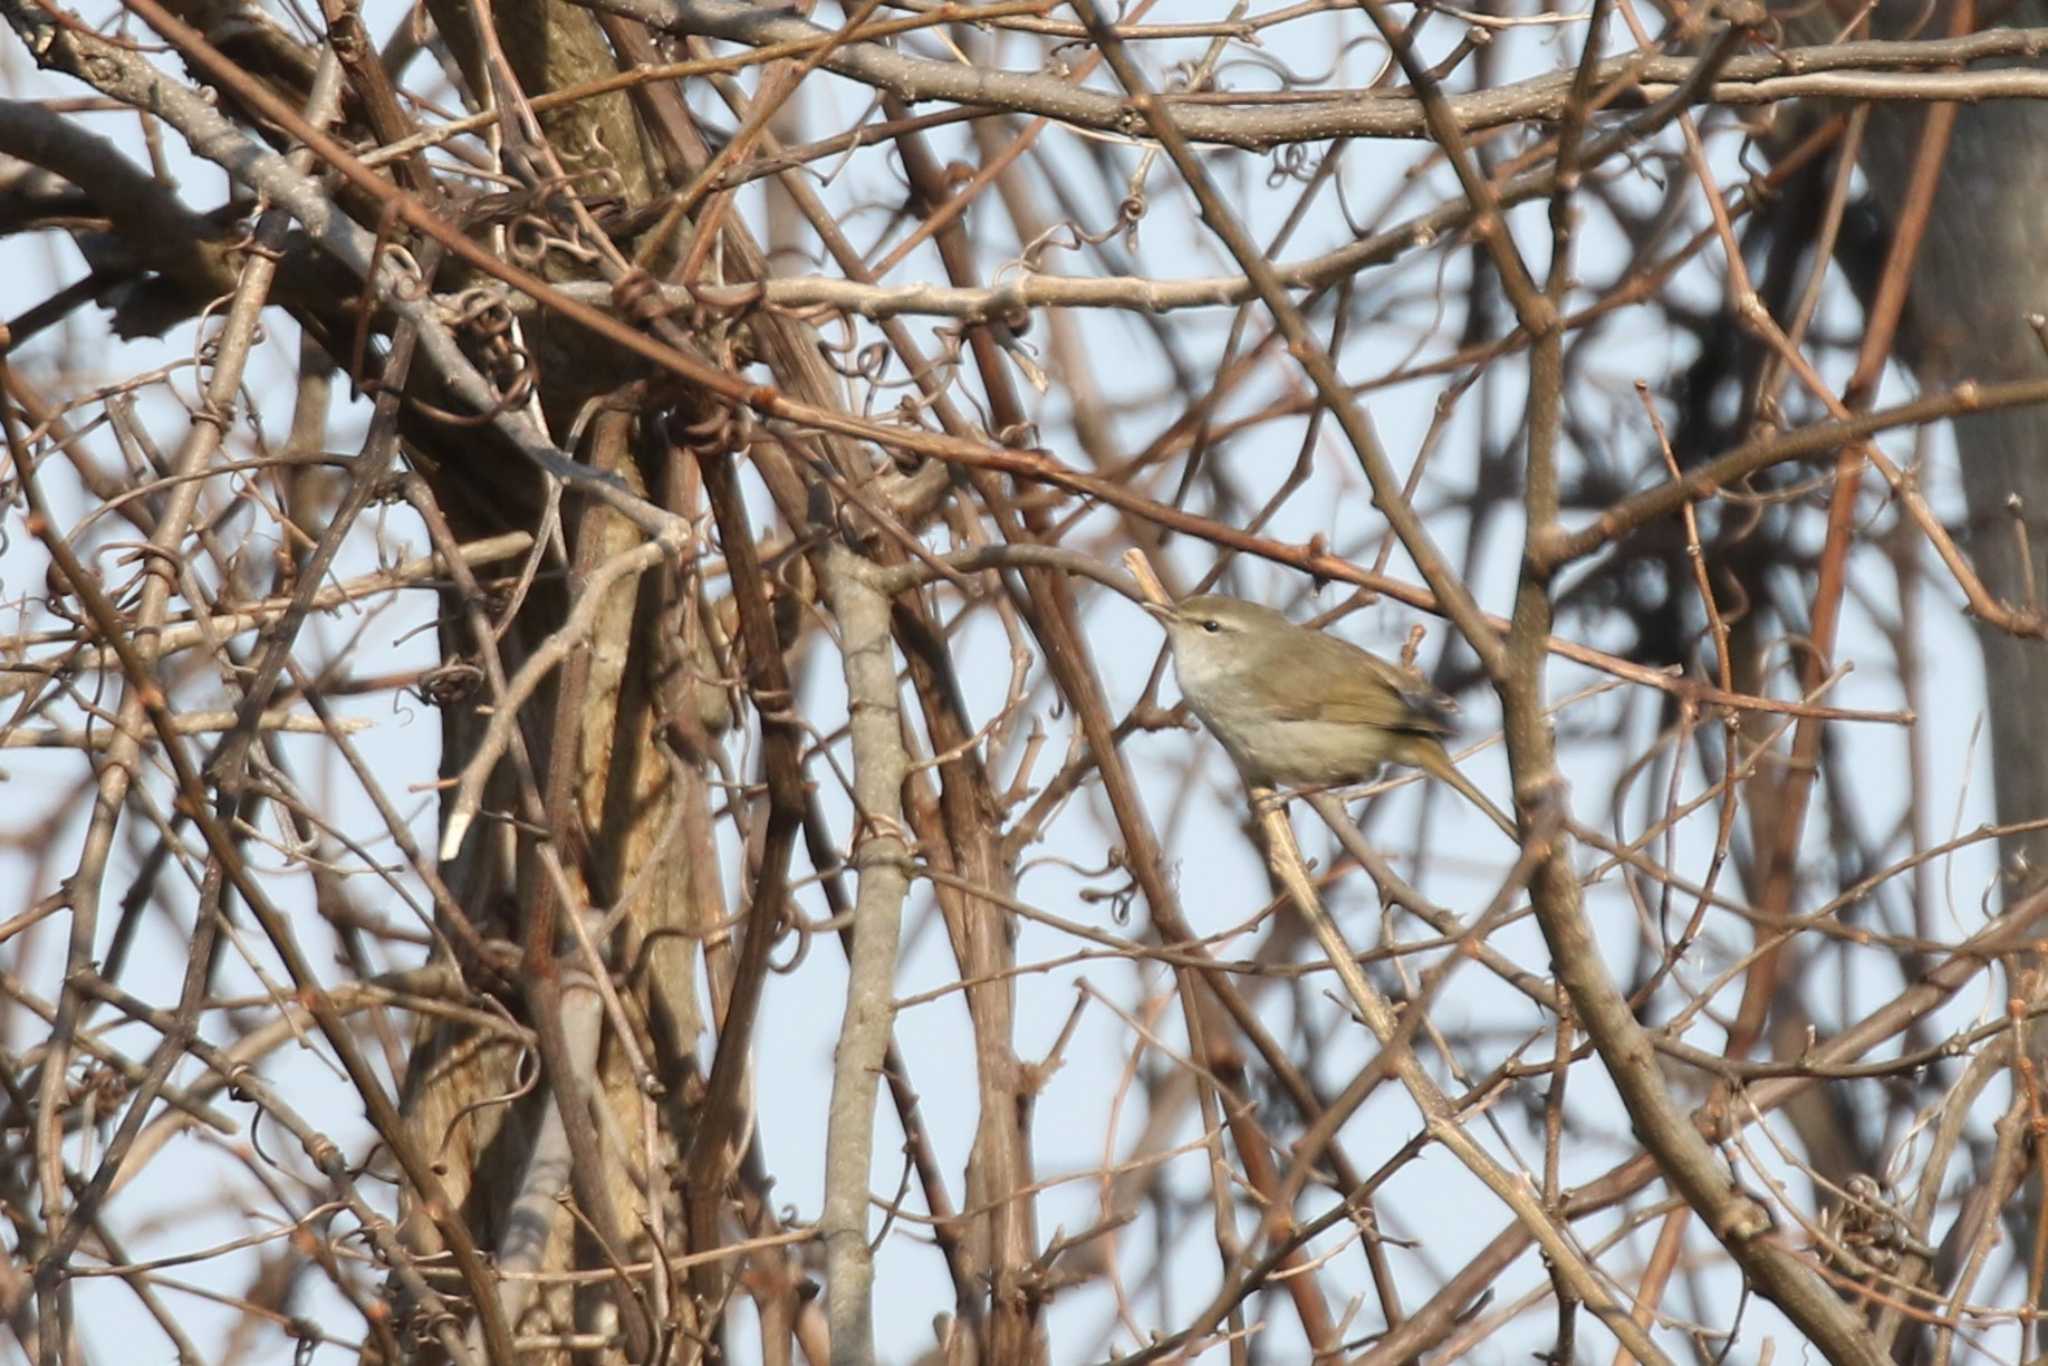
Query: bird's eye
[{"x": 1212, "y": 626}]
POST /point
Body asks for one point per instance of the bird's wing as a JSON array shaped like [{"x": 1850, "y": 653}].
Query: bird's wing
[{"x": 1405, "y": 703}]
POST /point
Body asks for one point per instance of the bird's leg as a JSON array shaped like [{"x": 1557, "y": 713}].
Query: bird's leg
[
  {"x": 1267, "y": 800},
  {"x": 1318, "y": 789}
]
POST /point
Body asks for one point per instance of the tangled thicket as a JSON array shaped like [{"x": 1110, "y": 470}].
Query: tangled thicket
[{"x": 587, "y": 783}]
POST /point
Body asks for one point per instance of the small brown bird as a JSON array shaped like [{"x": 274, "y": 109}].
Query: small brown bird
[{"x": 1298, "y": 708}]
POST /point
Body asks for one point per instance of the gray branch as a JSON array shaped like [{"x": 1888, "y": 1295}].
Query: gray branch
[{"x": 880, "y": 853}]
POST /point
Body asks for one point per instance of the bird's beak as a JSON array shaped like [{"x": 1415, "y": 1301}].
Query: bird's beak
[{"x": 1160, "y": 610}]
